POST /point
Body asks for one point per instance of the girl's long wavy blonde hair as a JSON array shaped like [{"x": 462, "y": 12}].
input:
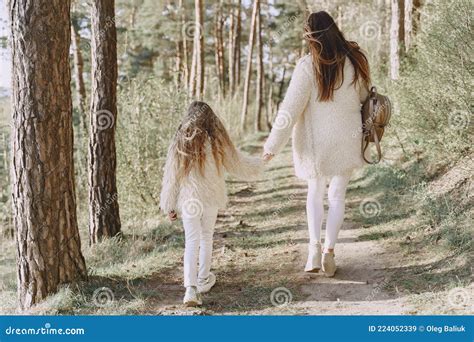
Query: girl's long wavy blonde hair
[
  {"x": 329, "y": 50},
  {"x": 200, "y": 128}
]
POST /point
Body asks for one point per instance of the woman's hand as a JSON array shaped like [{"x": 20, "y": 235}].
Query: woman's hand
[
  {"x": 267, "y": 156},
  {"x": 173, "y": 216}
]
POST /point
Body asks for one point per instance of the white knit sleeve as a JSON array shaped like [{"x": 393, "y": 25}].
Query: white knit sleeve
[
  {"x": 170, "y": 187},
  {"x": 293, "y": 105},
  {"x": 244, "y": 167}
]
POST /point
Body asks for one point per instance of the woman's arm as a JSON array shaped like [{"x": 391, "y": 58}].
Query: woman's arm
[
  {"x": 295, "y": 102},
  {"x": 170, "y": 186}
]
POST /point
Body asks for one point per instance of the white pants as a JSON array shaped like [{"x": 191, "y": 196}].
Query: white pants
[
  {"x": 315, "y": 208},
  {"x": 198, "y": 232}
]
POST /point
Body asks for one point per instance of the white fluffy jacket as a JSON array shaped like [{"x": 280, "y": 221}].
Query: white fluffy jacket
[
  {"x": 326, "y": 135},
  {"x": 197, "y": 190}
]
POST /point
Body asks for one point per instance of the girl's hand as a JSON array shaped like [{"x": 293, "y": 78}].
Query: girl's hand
[
  {"x": 172, "y": 215},
  {"x": 267, "y": 156}
]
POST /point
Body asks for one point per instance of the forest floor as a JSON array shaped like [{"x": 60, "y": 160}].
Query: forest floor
[
  {"x": 259, "y": 256},
  {"x": 260, "y": 252}
]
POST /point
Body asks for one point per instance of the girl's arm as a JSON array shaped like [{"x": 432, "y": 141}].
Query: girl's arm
[
  {"x": 170, "y": 186},
  {"x": 295, "y": 102},
  {"x": 244, "y": 167}
]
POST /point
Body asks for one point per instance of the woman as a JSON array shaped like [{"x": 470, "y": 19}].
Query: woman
[{"x": 322, "y": 108}]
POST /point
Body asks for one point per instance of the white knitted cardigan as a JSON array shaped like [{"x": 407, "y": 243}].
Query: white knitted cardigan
[
  {"x": 326, "y": 135},
  {"x": 198, "y": 191}
]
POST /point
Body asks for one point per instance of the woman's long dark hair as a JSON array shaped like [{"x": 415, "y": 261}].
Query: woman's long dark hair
[{"x": 329, "y": 50}]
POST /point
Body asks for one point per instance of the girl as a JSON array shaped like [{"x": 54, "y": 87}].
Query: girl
[
  {"x": 322, "y": 108},
  {"x": 194, "y": 185}
]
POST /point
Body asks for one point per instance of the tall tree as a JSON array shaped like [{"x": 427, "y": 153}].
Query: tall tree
[
  {"x": 260, "y": 72},
  {"x": 196, "y": 81},
  {"x": 411, "y": 20},
  {"x": 81, "y": 96},
  {"x": 238, "y": 39},
  {"x": 231, "y": 47},
  {"x": 44, "y": 200},
  {"x": 185, "y": 66},
  {"x": 248, "y": 71},
  {"x": 104, "y": 218},
  {"x": 394, "y": 40},
  {"x": 219, "y": 48},
  {"x": 198, "y": 53}
]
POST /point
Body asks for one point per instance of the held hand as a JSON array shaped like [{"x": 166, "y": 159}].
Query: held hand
[
  {"x": 267, "y": 157},
  {"x": 173, "y": 216}
]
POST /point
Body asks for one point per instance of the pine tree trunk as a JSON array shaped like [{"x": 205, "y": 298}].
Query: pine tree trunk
[
  {"x": 185, "y": 66},
  {"x": 416, "y": 16},
  {"x": 282, "y": 85},
  {"x": 192, "y": 77},
  {"x": 178, "y": 62},
  {"x": 78, "y": 74},
  {"x": 260, "y": 73},
  {"x": 199, "y": 40},
  {"x": 104, "y": 218},
  {"x": 408, "y": 23},
  {"x": 412, "y": 17},
  {"x": 43, "y": 192},
  {"x": 238, "y": 38},
  {"x": 231, "y": 49},
  {"x": 394, "y": 40},
  {"x": 401, "y": 24},
  {"x": 248, "y": 72},
  {"x": 270, "y": 90},
  {"x": 219, "y": 49}
]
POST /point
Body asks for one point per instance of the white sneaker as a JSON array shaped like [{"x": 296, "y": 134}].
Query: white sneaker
[
  {"x": 329, "y": 264},
  {"x": 206, "y": 284},
  {"x": 313, "y": 264},
  {"x": 192, "y": 297}
]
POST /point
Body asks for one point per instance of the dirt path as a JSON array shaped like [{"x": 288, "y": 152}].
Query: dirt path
[{"x": 260, "y": 248}]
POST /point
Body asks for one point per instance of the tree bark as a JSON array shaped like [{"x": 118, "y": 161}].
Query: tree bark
[
  {"x": 185, "y": 66},
  {"x": 43, "y": 191},
  {"x": 199, "y": 40},
  {"x": 282, "y": 85},
  {"x": 231, "y": 48},
  {"x": 81, "y": 96},
  {"x": 104, "y": 218},
  {"x": 412, "y": 17},
  {"x": 260, "y": 72},
  {"x": 219, "y": 49},
  {"x": 401, "y": 23},
  {"x": 270, "y": 90},
  {"x": 238, "y": 38},
  {"x": 394, "y": 40},
  {"x": 248, "y": 72}
]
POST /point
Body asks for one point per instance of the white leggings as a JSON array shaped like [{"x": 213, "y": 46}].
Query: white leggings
[
  {"x": 198, "y": 233},
  {"x": 315, "y": 208}
]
